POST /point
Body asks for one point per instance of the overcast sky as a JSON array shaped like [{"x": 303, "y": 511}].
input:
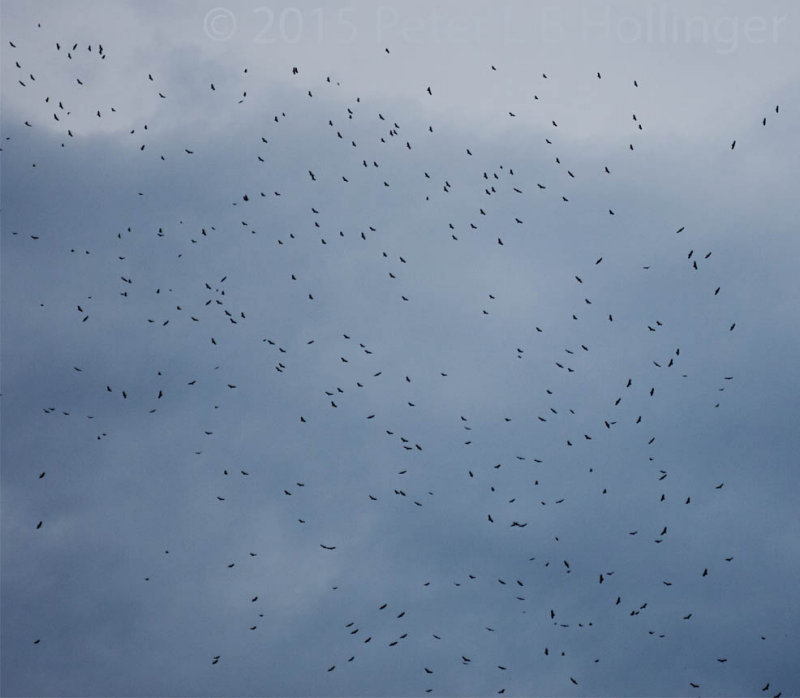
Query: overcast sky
[{"x": 479, "y": 296}]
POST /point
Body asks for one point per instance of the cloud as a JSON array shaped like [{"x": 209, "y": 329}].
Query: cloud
[{"x": 252, "y": 380}]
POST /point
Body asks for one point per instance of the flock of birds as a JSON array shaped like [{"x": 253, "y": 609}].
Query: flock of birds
[{"x": 506, "y": 492}]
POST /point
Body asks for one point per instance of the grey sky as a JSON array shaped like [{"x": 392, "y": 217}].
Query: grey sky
[{"x": 524, "y": 427}]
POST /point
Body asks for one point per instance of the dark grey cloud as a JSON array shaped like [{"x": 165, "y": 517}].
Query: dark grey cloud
[{"x": 516, "y": 429}]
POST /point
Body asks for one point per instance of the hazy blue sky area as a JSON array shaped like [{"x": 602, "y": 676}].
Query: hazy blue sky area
[{"x": 385, "y": 348}]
